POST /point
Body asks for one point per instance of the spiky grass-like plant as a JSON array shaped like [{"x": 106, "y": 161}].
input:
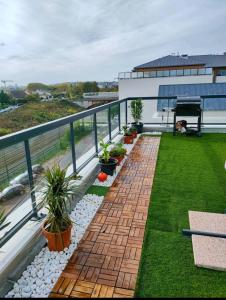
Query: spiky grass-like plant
[
  {"x": 57, "y": 199},
  {"x": 3, "y": 217}
]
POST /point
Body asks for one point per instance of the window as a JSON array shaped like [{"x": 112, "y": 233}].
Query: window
[
  {"x": 173, "y": 73},
  {"x": 201, "y": 71},
  {"x": 180, "y": 72},
  {"x": 166, "y": 73},
  {"x": 153, "y": 74},
  {"x": 159, "y": 73},
  {"x": 221, "y": 73},
  {"x": 187, "y": 72},
  {"x": 208, "y": 71},
  {"x": 147, "y": 74},
  {"x": 194, "y": 71}
]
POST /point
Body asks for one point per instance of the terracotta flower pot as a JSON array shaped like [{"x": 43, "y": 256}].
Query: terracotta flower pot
[
  {"x": 57, "y": 241},
  {"x": 134, "y": 134},
  {"x": 128, "y": 139},
  {"x": 118, "y": 158}
]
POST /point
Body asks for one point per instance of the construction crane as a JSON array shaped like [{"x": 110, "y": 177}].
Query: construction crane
[{"x": 5, "y": 81}]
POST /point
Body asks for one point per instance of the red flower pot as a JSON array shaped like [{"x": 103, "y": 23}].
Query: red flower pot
[
  {"x": 119, "y": 159},
  {"x": 134, "y": 134},
  {"x": 128, "y": 139}
]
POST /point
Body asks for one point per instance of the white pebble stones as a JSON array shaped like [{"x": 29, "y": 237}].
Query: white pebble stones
[{"x": 41, "y": 275}]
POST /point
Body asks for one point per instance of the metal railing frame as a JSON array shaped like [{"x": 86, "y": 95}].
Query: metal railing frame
[{"x": 26, "y": 134}]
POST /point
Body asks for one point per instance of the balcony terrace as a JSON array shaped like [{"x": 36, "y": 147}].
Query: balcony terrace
[{"x": 127, "y": 237}]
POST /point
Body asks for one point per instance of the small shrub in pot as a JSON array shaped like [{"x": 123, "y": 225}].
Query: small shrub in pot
[
  {"x": 118, "y": 152},
  {"x": 57, "y": 194},
  {"x": 107, "y": 163},
  {"x": 128, "y": 137},
  {"x": 133, "y": 130},
  {"x": 136, "y": 112}
]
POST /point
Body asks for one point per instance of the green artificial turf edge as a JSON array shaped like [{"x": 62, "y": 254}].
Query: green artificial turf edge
[
  {"x": 97, "y": 190},
  {"x": 189, "y": 175}
]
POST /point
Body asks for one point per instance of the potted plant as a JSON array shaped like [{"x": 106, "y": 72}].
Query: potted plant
[
  {"x": 128, "y": 137},
  {"x": 57, "y": 194},
  {"x": 107, "y": 163},
  {"x": 136, "y": 112},
  {"x": 118, "y": 152},
  {"x": 133, "y": 130}
]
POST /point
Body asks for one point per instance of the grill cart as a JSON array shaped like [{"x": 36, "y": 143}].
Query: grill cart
[{"x": 190, "y": 107}]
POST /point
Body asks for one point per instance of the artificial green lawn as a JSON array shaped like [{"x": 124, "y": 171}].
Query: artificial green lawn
[
  {"x": 97, "y": 190},
  {"x": 190, "y": 175}
]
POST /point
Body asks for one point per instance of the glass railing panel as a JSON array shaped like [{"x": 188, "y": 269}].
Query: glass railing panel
[
  {"x": 14, "y": 185},
  {"x": 84, "y": 139},
  {"x": 47, "y": 150},
  {"x": 102, "y": 125},
  {"x": 127, "y": 75},
  {"x": 123, "y": 113},
  {"x": 114, "y": 118},
  {"x": 155, "y": 111},
  {"x": 134, "y": 74},
  {"x": 214, "y": 111}
]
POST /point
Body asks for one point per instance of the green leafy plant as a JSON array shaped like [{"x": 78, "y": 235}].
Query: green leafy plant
[
  {"x": 105, "y": 156},
  {"x": 136, "y": 110},
  {"x": 133, "y": 129},
  {"x": 126, "y": 130},
  {"x": 3, "y": 217},
  {"x": 57, "y": 196},
  {"x": 118, "y": 150}
]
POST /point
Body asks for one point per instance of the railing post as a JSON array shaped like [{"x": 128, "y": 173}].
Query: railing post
[
  {"x": 126, "y": 111},
  {"x": 119, "y": 116},
  {"x": 72, "y": 141},
  {"x": 109, "y": 122},
  {"x": 95, "y": 132},
  {"x": 30, "y": 178}
]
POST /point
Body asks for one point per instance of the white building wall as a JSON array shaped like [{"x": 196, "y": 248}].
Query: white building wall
[
  {"x": 149, "y": 87},
  {"x": 221, "y": 79}
]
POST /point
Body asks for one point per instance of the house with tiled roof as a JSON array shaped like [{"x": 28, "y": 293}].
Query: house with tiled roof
[{"x": 177, "y": 75}]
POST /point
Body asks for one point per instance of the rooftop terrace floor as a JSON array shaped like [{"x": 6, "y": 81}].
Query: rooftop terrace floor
[{"x": 106, "y": 262}]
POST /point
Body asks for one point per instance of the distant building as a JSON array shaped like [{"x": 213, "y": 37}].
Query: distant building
[
  {"x": 177, "y": 75},
  {"x": 97, "y": 98},
  {"x": 17, "y": 94},
  {"x": 43, "y": 94},
  {"x": 107, "y": 84}
]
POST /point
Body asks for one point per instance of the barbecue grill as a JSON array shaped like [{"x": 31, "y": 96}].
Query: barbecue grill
[{"x": 190, "y": 107}]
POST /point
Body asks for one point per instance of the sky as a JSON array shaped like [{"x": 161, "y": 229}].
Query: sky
[{"x": 54, "y": 41}]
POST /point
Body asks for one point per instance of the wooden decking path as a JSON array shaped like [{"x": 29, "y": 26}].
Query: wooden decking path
[{"x": 106, "y": 262}]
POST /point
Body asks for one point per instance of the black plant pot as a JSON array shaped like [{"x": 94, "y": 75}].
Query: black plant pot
[
  {"x": 109, "y": 167},
  {"x": 138, "y": 126}
]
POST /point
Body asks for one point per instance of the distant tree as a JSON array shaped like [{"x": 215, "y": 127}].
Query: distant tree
[
  {"x": 78, "y": 89},
  {"x": 90, "y": 86},
  {"x": 37, "y": 86},
  {"x": 4, "y": 98},
  {"x": 112, "y": 89},
  {"x": 32, "y": 98}
]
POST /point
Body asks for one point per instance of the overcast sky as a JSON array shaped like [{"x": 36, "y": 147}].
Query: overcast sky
[{"x": 54, "y": 41}]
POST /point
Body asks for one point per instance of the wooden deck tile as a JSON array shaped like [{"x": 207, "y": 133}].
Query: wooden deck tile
[{"x": 106, "y": 261}]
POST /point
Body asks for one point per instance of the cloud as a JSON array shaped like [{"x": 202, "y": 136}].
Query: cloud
[{"x": 53, "y": 41}]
